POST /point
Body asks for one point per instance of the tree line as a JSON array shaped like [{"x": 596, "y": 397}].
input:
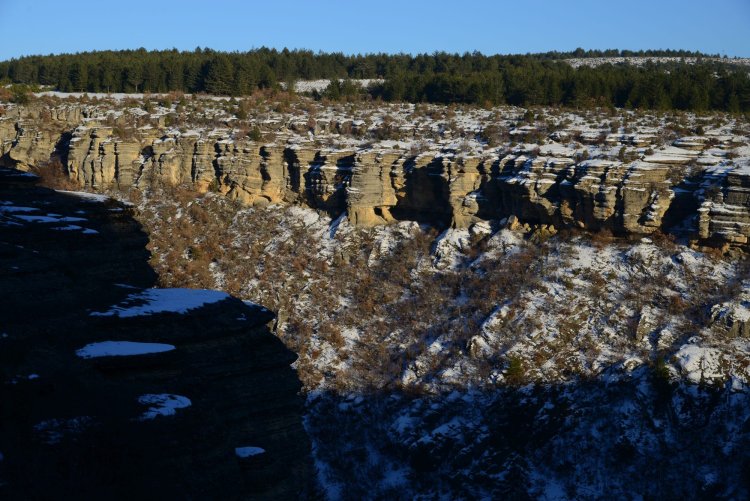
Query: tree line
[{"x": 473, "y": 78}]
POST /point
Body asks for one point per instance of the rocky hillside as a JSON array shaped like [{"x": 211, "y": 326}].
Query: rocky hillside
[
  {"x": 555, "y": 170},
  {"x": 556, "y": 309},
  {"x": 112, "y": 389},
  {"x": 487, "y": 362}
]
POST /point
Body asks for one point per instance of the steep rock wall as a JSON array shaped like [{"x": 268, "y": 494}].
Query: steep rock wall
[{"x": 378, "y": 185}]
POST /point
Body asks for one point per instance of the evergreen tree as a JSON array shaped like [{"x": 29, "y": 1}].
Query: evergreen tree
[
  {"x": 537, "y": 79},
  {"x": 219, "y": 76},
  {"x": 78, "y": 76}
]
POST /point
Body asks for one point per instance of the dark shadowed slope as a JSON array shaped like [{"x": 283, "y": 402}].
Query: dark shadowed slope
[{"x": 207, "y": 407}]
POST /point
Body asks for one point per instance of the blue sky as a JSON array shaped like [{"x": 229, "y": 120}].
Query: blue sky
[{"x": 44, "y": 26}]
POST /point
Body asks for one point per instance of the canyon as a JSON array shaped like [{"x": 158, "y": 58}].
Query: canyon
[
  {"x": 476, "y": 303},
  {"x": 640, "y": 183}
]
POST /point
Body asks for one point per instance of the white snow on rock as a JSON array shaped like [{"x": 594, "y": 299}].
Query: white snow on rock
[
  {"x": 246, "y": 452},
  {"x": 91, "y": 197},
  {"x": 255, "y": 305},
  {"x": 698, "y": 362},
  {"x": 162, "y": 404},
  {"x": 150, "y": 301},
  {"x": 121, "y": 349},
  {"x": 306, "y": 216},
  {"x": 449, "y": 246},
  {"x": 12, "y": 209},
  {"x": 39, "y": 219}
]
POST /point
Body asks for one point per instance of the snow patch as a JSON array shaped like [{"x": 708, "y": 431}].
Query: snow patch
[
  {"x": 699, "y": 363},
  {"x": 152, "y": 301},
  {"x": 162, "y": 404},
  {"x": 91, "y": 197},
  {"x": 246, "y": 452},
  {"x": 121, "y": 349}
]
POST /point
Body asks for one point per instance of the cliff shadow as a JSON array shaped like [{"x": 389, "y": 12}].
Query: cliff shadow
[
  {"x": 73, "y": 426},
  {"x": 516, "y": 442},
  {"x": 681, "y": 218},
  {"x": 72, "y": 247},
  {"x": 325, "y": 185},
  {"x": 62, "y": 148},
  {"x": 425, "y": 196},
  {"x": 293, "y": 168},
  {"x": 502, "y": 195}
]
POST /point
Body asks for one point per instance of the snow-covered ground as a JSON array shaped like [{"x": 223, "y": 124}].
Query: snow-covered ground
[
  {"x": 52, "y": 431},
  {"x": 248, "y": 451},
  {"x": 593, "y": 62},
  {"x": 152, "y": 301},
  {"x": 122, "y": 349},
  {"x": 92, "y": 197},
  {"x": 117, "y": 96},
  {"x": 303, "y": 86},
  {"x": 11, "y": 215},
  {"x": 162, "y": 404}
]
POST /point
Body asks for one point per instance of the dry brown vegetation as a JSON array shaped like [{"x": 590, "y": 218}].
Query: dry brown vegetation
[
  {"x": 53, "y": 175},
  {"x": 359, "y": 323}
]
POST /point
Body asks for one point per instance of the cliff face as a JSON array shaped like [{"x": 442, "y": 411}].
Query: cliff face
[
  {"x": 112, "y": 389},
  {"x": 544, "y": 186}
]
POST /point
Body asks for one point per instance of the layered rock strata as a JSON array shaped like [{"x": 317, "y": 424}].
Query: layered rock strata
[{"x": 676, "y": 187}]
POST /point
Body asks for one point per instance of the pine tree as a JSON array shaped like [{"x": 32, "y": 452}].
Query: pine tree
[
  {"x": 219, "y": 76},
  {"x": 79, "y": 76}
]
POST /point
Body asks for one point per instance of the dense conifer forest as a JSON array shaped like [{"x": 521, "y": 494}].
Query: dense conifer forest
[{"x": 472, "y": 78}]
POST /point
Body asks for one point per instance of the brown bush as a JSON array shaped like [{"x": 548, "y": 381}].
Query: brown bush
[
  {"x": 53, "y": 174},
  {"x": 602, "y": 238}
]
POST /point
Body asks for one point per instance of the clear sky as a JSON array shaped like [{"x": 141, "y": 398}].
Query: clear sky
[{"x": 520, "y": 26}]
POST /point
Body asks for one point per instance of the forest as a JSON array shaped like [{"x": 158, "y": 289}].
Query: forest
[{"x": 471, "y": 78}]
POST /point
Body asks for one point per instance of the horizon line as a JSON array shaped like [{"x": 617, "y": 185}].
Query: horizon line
[{"x": 386, "y": 53}]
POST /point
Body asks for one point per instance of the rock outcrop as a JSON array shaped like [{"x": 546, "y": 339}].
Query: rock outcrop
[
  {"x": 677, "y": 186},
  {"x": 724, "y": 215},
  {"x": 734, "y": 316},
  {"x": 112, "y": 389}
]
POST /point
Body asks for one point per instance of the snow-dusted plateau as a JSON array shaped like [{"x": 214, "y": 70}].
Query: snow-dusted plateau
[{"x": 484, "y": 303}]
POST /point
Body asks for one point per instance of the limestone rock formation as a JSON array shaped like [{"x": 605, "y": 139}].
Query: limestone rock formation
[
  {"x": 724, "y": 215},
  {"x": 686, "y": 185},
  {"x": 30, "y": 145},
  {"x": 371, "y": 193}
]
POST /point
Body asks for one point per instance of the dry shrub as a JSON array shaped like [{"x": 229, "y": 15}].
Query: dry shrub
[
  {"x": 602, "y": 238},
  {"x": 53, "y": 174},
  {"x": 664, "y": 240},
  {"x": 135, "y": 196},
  {"x": 198, "y": 214}
]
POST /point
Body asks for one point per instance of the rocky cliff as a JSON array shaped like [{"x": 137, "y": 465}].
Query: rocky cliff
[
  {"x": 688, "y": 185},
  {"x": 112, "y": 389}
]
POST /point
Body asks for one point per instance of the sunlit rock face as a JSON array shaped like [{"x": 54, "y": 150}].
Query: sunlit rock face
[{"x": 634, "y": 183}]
